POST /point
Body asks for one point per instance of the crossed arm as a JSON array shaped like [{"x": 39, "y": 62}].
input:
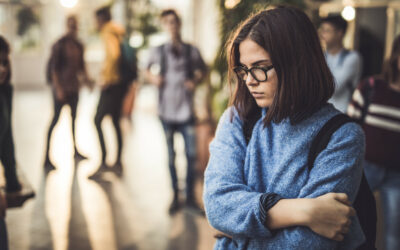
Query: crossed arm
[{"x": 233, "y": 208}]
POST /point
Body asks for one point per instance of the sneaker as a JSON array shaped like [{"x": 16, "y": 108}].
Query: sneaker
[
  {"x": 14, "y": 186},
  {"x": 117, "y": 169},
  {"x": 79, "y": 157},
  {"x": 17, "y": 198},
  {"x": 49, "y": 166},
  {"x": 174, "y": 207},
  {"x": 99, "y": 172},
  {"x": 192, "y": 205}
]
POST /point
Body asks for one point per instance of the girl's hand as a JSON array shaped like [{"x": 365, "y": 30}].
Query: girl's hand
[
  {"x": 60, "y": 94},
  {"x": 329, "y": 215}
]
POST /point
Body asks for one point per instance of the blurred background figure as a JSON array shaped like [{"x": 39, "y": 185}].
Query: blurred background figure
[
  {"x": 113, "y": 87},
  {"x": 344, "y": 64},
  {"x": 16, "y": 192},
  {"x": 376, "y": 103},
  {"x": 176, "y": 68},
  {"x": 66, "y": 72}
]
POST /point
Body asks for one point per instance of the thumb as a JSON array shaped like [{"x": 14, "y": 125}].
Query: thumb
[{"x": 343, "y": 198}]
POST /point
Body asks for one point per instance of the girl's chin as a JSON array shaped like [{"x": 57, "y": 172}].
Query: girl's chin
[{"x": 263, "y": 104}]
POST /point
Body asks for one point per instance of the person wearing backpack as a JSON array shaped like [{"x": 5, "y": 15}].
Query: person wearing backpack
[
  {"x": 345, "y": 65},
  {"x": 176, "y": 68},
  {"x": 66, "y": 71},
  {"x": 376, "y": 103},
  {"x": 113, "y": 85},
  {"x": 267, "y": 185}
]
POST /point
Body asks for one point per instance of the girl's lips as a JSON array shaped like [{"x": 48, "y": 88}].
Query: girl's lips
[{"x": 257, "y": 94}]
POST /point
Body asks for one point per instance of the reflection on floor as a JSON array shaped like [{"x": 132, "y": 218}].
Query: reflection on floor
[{"x": 72, "y": 212}]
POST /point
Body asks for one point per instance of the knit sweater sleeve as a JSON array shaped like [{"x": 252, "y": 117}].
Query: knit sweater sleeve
[
  {"x": 338, "y": 169},
  {"x": 231, "y": 206}
]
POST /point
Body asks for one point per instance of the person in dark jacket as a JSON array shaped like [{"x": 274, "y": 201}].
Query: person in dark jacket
[
  {"x": 66, "y": 71},
  {"x": 376, "y": 101},
  {"x": 14, "y": 188}
]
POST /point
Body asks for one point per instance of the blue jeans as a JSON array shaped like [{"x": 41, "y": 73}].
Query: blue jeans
[
  {"x": 187, "y": 129},
  {"x": 3, "y": 235},
  {"x": 387, "y": 182}
]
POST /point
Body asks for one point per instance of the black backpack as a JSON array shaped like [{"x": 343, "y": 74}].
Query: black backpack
[
  {"x": 127, "y": 62},
  {"x": 364, "y": 203}
]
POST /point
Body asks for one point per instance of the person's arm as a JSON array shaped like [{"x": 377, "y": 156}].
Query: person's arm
[
  {"x": 153, "y": 68},
  {"x": 231, "y": 206},
  {"x": 337, "y": 169},
  {"x": 327, "y": 215},
  {"x": 55, "y": 68},
  {"x": 349, "y": 73},
  {"x": 153, "y": 79},
  {"x": 83, "y": 74},
  {"x": 359, "y": 100},
  {"x": 234, "y": 209}
]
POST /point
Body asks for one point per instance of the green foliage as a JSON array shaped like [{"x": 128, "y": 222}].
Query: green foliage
[{"x": 142, "y": 17}]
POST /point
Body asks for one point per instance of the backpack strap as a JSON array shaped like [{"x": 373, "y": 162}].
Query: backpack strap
[
  {"x": 364, "y": 202},
  {"x": 163, "y": 60},
  {"x": 188, "y": 61},
  {"x": 324, "y": 135},
  {"x": 343, "y": 54}
]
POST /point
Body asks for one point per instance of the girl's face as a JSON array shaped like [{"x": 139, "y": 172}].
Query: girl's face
[
  {"x": 4, "y": 67},
  {"x": 252, "y": 55}
]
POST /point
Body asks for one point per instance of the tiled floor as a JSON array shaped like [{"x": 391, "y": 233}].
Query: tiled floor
[{"x": 72, "y": 212}]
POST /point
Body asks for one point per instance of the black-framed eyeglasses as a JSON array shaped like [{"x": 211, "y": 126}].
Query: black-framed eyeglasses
[{"x": 259, "y": 73}]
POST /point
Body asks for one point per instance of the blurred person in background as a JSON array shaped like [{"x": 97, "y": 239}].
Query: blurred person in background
[
  {"x": 258, "y": 188},
  {"x": 66, "y": 72},
  {"x": 376, "y": 103},
  {"x": 344, "y": 64},
  {"x": 113, "y": 87},
  {"x": 176, "y": 68},
  {"x": 16, "y": 192}
]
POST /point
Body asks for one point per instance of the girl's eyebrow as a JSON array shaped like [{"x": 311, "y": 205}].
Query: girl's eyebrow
[
  {"x": 257, "y": 62},
  {"x": 260, "y": 61}
]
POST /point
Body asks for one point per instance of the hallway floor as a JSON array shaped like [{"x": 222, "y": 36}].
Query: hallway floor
[{"x": 73, "y": 212}]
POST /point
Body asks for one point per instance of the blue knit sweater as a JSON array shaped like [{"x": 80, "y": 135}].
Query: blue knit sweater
[{"x": 275, "y": 160}]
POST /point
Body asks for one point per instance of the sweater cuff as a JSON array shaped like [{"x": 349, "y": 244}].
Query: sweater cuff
[{"x": 267, "y": 201}]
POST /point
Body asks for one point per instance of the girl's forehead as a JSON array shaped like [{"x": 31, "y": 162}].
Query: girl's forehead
[{"x": 250, "y": 51}]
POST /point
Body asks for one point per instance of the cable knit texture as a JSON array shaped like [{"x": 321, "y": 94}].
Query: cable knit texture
[{"x": 275, "y": 160}]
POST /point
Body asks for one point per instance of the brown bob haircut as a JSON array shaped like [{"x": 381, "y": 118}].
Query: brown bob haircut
[
  {"x": 391, "y": 71},
  {"x": 5, "y": 49},
  {"x": 305, "y": 82}
]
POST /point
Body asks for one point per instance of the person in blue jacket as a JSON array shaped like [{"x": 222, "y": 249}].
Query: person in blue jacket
[{"x": 261, "y": 194}]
